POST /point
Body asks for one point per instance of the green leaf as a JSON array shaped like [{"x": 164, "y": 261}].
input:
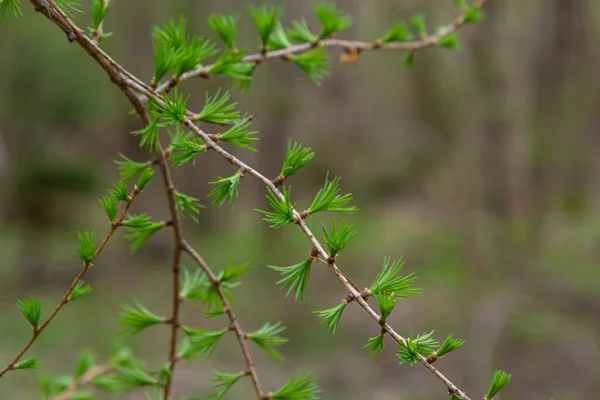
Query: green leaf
[
  {"x": 300, "y": 32},
  {"x": 328, "y": 199},
  {"x": 410, "y": 350},
  {"x": 173, "y": 111},
  {"x": 375, "y": 345},
  {"x": 201, "y": 341},
  {"x": 225, "y": 382},
  {"x": 135, "y": 320},
  {"x": 99, "y": 11},
  {"x": 193, "y": 286},
  {"x": 192, "y": 54},
  {"x": 450, "y": 344},
  {"x": 233, "y": 272},
  {"x": 267, "y": 337},
  {"x": 232, "y": 65},
  {"x": 298, "y": 388},
  {"x": 473, "y": 14},
  {"x": 31, "y": 310},
  {"x": 398, "y": 33},
  {"x": 296, "y": 278},
  {"x": 314, "y": 63},
  {"x": 129, "y": 379},
  {"x": 140, "y": 236},
  {"x": 173, "y": 35},
  {"x": 388, "y": 281},
  {"x": 226, "y": 28},
  {"x": 139, "y": 222},
  {"x": 10, "y": 6},
  {"x": 386, "y": 304},
  {"x": 283, "y": 210},
  {"x": 337, "y": 239},
  {"x": 187, "y": 204},
  {"x": 28, "y": 363},
  {"x": 501, "y": 379},
  {"x": 129, "y": 169},
  {"x": 449, "y": 42},
  {"x": 266, "y": 19},
  {"x": 119, "y": 192},
  {"x": 279, "y": 39},
  {"x": 86, "y": 248},
  {"x": 187, "y": 147},
  {"x": 109, "y": 204},
  {"x": 418, "y": 22},
  {"x": 331, "y": 316},
  {"x": 166, "y": 57},
  {"x": 217, "y": 111},
  {"x": 296, "y": 157},
  {"x": 69, "y": 6},
  {"x": 332, "y": 20},
  {"x": 84, "y": 363},
  {"x": 145, "y": 178},
  {"x": 409, "y": 58},
  {"x": 239, "y": 135},
  {"x": 79, "y": 291},
  {"x": 227, "y": 189}
]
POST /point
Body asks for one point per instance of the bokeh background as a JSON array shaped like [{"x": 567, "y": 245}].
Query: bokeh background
[{"x": 479, "y": 167}]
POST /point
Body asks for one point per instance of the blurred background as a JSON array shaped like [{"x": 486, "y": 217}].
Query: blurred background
[{"x": 479, "y": 167}]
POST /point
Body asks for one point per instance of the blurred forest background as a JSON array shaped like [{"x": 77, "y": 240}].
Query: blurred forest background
[{"x": 480, "y": 167}]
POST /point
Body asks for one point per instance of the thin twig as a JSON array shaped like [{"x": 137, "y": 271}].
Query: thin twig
[
  {"x": 348, "y": 45},
  {"x": 84, "y": 379},
  {"x": 65, "y": 299}
]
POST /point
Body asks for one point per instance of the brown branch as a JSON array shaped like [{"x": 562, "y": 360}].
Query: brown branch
[
  {"x": 123, "y": 79},
  {"x": 65, "y": 299},
  {"x": 84, "y": 379},
  {"x": 239, "y": 333},
  {"x": 346, "y": 45}
]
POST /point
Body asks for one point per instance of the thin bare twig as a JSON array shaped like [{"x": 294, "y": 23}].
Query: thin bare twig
[{"x": 65, "y": 299}]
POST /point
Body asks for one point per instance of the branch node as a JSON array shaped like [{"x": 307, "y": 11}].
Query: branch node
[{"x": 71, "y": 36}]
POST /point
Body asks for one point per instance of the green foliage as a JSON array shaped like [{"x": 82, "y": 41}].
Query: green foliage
[
  {"x": 375, "y": 345},
  {"x": 226, "y": 28},
  {"x": 10, "y": 6},
  {"x": 99, "y": 11},
  {"x": 298, "y": 388},
  {"x": 193, "y": 54},
  {"x": 84, "y": 363},
  {"x": 473, "y": 12},
  {"x": 136, "y": 319},
  {"x": 31, "y": 310},
  {"x": 279, "y": 39},
  {"x": 109, "y": 204},
  {"x": 331, "y": 316},
  {"x": 449, "y": 42},
  {"x": 266, "y": 19},
  {"x": 239, "y": 135},
  {"x": 283, "y": 209},
  {"x": 296, "y": 278},
  {"x": 86, "y": 248},
  {"x": 165, "y": 59},
  {"x": 267, "y": 337},
  {"x": 139, "y": 237},
  {"x": 227, "y": 189},
  {"x": 145, "y": 178},
  {"x": 140, "y": 222},
  {"x": 296, "y": 157},
  {"x": 197, "y": 286},
  {"x": 332, "y": 20},
  {"x": 232, "y": 65},
  {"x": 501, "y": 379},
  {"x": 328, "y": 198},
  {"x": 418, "y": 22},
  {"x": 410, "y": 350},
  {"x": 28, "y": 363},
  {"x": 69, "y": 6},
  {"x": 225, "y": 382},
  {"x": 300, "y": 32},
  {"x": 388, "y": 281},
  {"x": 217, "y": 111},
  {"x": 450, "y": 344},
  {"x": 409, "y": 59},
  {"x": 173, "y": 111},
  {"x": 149, "y": 136},
  {"x": 129, "y": 169},
  {"x": 337, "y": 239},
  {"x": 119, "y": 192},
  {"x": 80, "y": 290},
  {"x": 399, "y": 32},
  {"x": 314, "y": 63},
  {"x": 187, "y": 148},
  {"x": 129, "y": 378},
  {"x": 173, "y": 34},
  {"x": 188, "y": 205},
  {"x": 201, "y": 342},
  {"x": 386, "y": 304}
]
